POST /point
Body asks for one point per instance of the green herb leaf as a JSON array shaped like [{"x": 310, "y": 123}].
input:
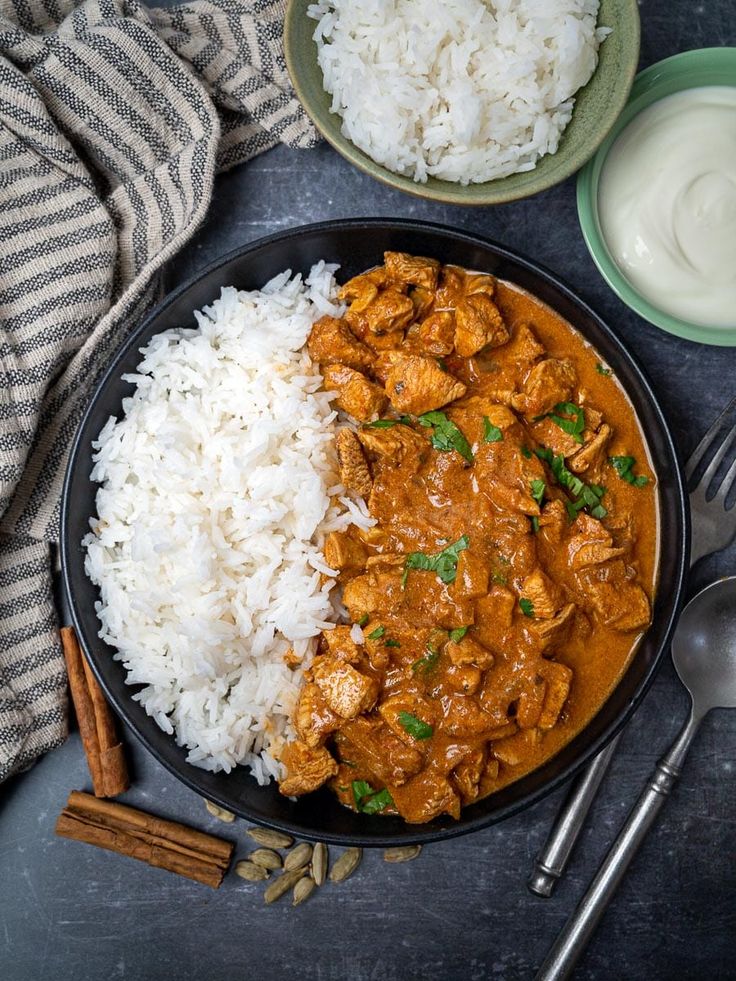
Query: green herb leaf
[
  {"x": 602, "y": 371},
  {"x": 491, "y": 433},
  {"x": 572, "y": 421},
  {"x": 527, "y": 607},
  {"x": 444, "y": 563},
  {"x": 535, "y": 523},
  {"x": 369, "y": 801},
  {"x": 585, "y": 495},
  {"x": 624, "y": 467},
  {"x": 414, "y": 726},
  {"x": 526, "y": 452},
  {"x": 363, "y": 620},
  {"x": 538, "y": 487},
  {"x": 457, "y": 634},
  {"x": 425, "y": 664},
  {"x": 445, "y": 434},
  {"x": 377, "y": 633},
  {"x": 392, "y": 643},
  {"x": 387, "y": 423},
  {"x": 442, "y": 363}
]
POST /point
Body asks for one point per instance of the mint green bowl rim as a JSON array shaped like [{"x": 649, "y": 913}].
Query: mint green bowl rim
[
  {"x": 551, "y": 170},
  {"x": 688, "y": 70}
]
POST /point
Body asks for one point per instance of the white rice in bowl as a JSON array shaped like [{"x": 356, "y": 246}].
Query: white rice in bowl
[
  {"x": 464, "y": 90},
  {"x": 218, "y": 486}
]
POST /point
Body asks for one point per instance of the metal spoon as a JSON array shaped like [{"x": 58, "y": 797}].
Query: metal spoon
[{"x": 704, "y": 654}]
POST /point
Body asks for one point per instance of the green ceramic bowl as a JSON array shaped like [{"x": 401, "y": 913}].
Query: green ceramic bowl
[
  {"x": 596, "y": 108},
  {"x": 692, "y": 69}
]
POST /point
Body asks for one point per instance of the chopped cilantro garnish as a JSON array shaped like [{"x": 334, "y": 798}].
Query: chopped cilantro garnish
[
  {"x": 445, "y": 434},
  {"x": 369, "y": 801},
  {"x": 535, "y": 523},
  {"x": 586, "y": 495},
  {"x": 527, "y": 607},
  {"x": 525, "y": 451},
  {"x": 444, "y": 563},
  {"x": 491, "y": 433},
  {"x": 602, "y": 371},
  {"x": 392, "y": 643},
  {"x": 570, "y": 418},
  {"x": 425, "y": 664},
  {"x": 377, "y": 633},
  {"x": 538, "y": 487},
  {"x": 457, "y": 634},
  {"x": 442, "y": 363},
  {"x": 414, "y": 726},
  {"x": 387, "y": 423},
  {"x": 363, "y": 620},
  {"x": 624, "y": 467}
]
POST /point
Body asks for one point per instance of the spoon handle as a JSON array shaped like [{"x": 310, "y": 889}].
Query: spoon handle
[{"x": 578, "y": 930}]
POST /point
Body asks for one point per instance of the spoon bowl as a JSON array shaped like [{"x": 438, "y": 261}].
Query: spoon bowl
[{"x": 704, "y": 647}]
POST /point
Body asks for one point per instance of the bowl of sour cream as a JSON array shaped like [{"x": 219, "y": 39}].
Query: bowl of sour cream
[{"x": 657, "y": 203}]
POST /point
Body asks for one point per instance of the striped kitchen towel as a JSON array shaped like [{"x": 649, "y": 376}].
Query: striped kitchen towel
[{"x": 114, "y": 119}]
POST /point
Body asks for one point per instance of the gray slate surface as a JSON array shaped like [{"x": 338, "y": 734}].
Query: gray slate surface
[{"x": 462, "y": 910}]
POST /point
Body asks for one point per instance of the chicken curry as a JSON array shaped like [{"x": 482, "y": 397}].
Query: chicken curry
[{"x": 508, "y": 576}]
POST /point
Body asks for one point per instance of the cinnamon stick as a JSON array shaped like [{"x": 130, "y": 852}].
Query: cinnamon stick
[
  {"x": 161, "y": 843},
  {"x": 102, "y": 747}
]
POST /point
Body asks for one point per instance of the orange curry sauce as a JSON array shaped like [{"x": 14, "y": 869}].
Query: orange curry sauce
[{"x": 508, "y": 578}]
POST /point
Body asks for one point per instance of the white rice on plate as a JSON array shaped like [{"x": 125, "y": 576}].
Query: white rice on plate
[
  {"x": 463, "y": 90},
  {"x": 218, "y": 486}
]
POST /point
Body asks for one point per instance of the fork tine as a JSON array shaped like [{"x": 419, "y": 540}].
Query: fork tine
[
  {"x": 706, "y": 442},
  {"x": 727, "y": 483},
  {"x": 710, "y": 472}
]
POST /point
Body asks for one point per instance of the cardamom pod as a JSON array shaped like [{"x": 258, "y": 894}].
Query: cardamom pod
[
  {"x": 219, "y": 812},
  {"x": 281, "y": 885},
  {"x": 303, "y": 890},
  {"x": 270, "y": 838},
  {"x": 266, "y": 858},
  {"x": 299, "y": 857},
  {"x": 320, "y": 858},
  {"x": 346, "y": 864},
  {"x": 404, "y": 853},
  {"x": 251, "y": 872}
]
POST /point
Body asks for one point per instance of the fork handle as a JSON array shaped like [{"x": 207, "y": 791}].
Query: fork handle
[
  {"x": 575, "y": 935},
  {"x": 555, "y": 854}
]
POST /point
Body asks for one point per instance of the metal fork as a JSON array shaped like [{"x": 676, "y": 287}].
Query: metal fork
[{"x": 713, "y": 529}]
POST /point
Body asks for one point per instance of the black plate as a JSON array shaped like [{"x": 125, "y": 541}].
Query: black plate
[{"x": 357, "y": 245}]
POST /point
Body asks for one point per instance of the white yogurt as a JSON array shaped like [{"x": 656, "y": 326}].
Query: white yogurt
[{"x": 667, "y": 204}]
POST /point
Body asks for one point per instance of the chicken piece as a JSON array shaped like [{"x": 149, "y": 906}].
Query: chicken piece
[
  {"x": 591, "y": 457},
  {"x": 426, "y": 797},
  {"x": 469, "y": 651},
  {"x": 344, "y": 553},
  {"x": 558, "y": 677},
  {"x": 591, "y": 544},
  {"x": 314, "y": 720},
  {"x": 345, "y": 690},
  {"x": 550, "y": 435},
  {"x": 340, "y": 645},
  {"x": 374, "y": 592},
  {"x": 618, "y": 601},
  {"x": 385, "y": 362},
  {"x": 395, "y": 445},
  {"x": 555, "y": 630},
  {"x": 464, "y": 678},
  {"x": 437, "y": 333},
  {"x": 423, "y": 301},
  {"x": 549, "y": 382},
  {"x": 332, "y": 342},
  {"x": 553, "y": 523},
  {"x": 530, "y": 702},
  {"x": 505, "y": 474},
  {"x": 464, "y": 718},
  {"x": 389, "y": 312},
  {"x": 515, "y": 749},
  {"x": 524, "y": 347},
  {"x": 494, "y": 615},
  {"x": 472, "y": 577},
  {"x": 373, "y": 746},
  {"x": 480, "y": 283},
  {"x": 307, "y": 768},
  {"x": 417, "y": 385},
  {"x": 545, "y": 595},
  {"x": 450, "y": 288},
  {"x": 391, "y": 709},
  {"x": 360, "y": 398},
  {"x": 354, "y": 471},
  {"x": 415, "y": 270},
  {"x": 466, "y": 775},
  {"x": 361, "y": 290},
  {"x": 478, "y": 324}
]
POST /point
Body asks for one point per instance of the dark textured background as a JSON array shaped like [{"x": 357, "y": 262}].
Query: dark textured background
[{"x": 462, "y": 911}]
